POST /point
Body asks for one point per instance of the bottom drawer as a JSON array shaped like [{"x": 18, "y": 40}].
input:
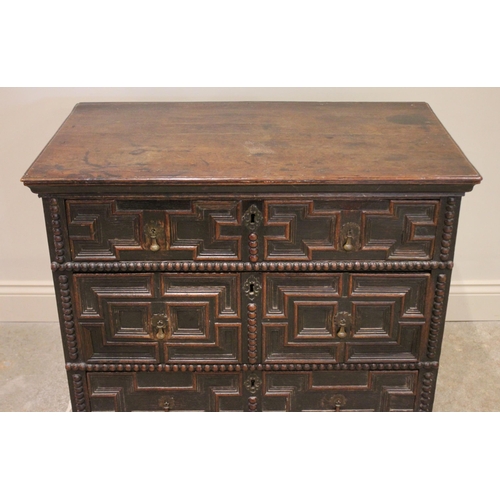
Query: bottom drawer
[
  {"x": 340, "y": 391},
  {"x": 153, "y": 391},
  {"x": 335, "y": 390}
]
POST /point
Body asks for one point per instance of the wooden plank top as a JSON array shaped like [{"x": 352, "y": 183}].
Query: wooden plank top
[{"x": 251, "y": 143}]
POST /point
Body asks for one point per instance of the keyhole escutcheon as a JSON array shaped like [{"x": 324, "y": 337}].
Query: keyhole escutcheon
[{"x": 253, "y": 384}]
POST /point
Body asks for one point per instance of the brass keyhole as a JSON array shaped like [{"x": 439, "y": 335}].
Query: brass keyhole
[
  {"x": 251, "y": 288},
  {"x": 253, "y": 383}
]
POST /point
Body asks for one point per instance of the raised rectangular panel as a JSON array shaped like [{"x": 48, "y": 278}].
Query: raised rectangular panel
[
  {"x": 386, "y": 317},
  {"x": 117, "y": 316},
  {"x": 184, "y": 230},
  {"x": 340, "y": 391},
  {"x": 160, "y": 391}
]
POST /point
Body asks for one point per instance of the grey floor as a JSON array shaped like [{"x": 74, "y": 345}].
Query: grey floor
[{"x": 33, "y": 378}]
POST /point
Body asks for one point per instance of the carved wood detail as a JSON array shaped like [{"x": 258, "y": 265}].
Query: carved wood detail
[
  {"x": 209, "y": 267},
  {"x": 313, "y": 229},
  {"x": 79, "y": 392},
  {"x": 360, "y": 391},
  {"x": 294, "y": 230},
  {"x": 387, "y": 317},
  {"x": 202, "y": 317},
  {"x": 253, "y": 247},
  {"x": 435, "y": 326},
  {"x": 252, "y": 332},
  {"x": 135, "y": 367},
  {"x": 448, "y": 229},
  {"x": 160, "y": 391},
  {"x": 404, "y": 229},
  {"x": 426, "y": 394},
  {"x": 252, "y": 403},
  {"x": 119, "y": 229},
  {"x": 57, "y": 234},
  {"x": 210, "y": 230},
  {"x": 68, "y": 317}
]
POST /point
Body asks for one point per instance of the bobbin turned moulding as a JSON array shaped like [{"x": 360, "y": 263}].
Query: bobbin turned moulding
[{"x": 252, "y": 256}]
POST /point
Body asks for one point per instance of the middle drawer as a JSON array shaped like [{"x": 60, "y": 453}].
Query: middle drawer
[
  {"x": 265, "y": 318},
  {"x": 159, "y": 317}
]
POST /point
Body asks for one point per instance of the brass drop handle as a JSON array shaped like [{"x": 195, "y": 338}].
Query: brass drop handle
[
  {"x": 350, "y": 237},
  {"x": 160, "y": 322},
  {"x": 348, "y": 245},
  {"x": 342, "y": 323},
  {"x": 338, "y": 401},
  {"x": 166, "y": 404},
  {"x": 153, "y": 234},
  {"x": 161, "y": 327},
  {"x": 342, "y": 333}
]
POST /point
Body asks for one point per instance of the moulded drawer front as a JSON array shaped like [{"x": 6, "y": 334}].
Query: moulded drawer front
[
  {"x": 171, "y": 229},
  {"x": 164, "y": 318},
  {"x": 271, "y": 391},
  {"x": 350, "y": 229},
  {"x": 162, "y": 391},
  {"x": 344, "y": 317},
  {"x": 340, "y": 391}
]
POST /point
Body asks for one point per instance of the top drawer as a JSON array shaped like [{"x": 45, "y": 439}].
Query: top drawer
[
  {"x": 269, "y": 230},
  {"x": 155, "y": 229}
]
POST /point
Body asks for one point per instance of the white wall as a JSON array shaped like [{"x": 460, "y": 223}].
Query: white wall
[{"x": 30, "y": 116}]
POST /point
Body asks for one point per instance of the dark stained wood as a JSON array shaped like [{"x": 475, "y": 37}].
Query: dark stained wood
[
  {"x": 239, "y": 143},
  {"x": 305, "y": 229},
  {"x": 115, "y": 318},
  {"x": 340, "y": 391},
  {"x": 252, "y": 256},
  {"x": 387, "y": 317}
]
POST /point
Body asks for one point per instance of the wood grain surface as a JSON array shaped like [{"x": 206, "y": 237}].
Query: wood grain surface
[{"x": 238, "y": 143}]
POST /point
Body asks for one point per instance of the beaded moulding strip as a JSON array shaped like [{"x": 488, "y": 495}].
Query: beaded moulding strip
[
  {"x": 141, "y": 266},
  {"x": 56, "y": 230},
  {"x": 79, "y": 392},
  {"x": 436, "y": 316},
  {"x": 449, "y": 223},
  {"x": 136, "y": 367},
  {"x": 69, "y": 321},
  {"x": 426, "y": 391}
]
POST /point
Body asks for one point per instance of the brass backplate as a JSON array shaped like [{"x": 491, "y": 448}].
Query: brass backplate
[{"x": 350, "y": 230}]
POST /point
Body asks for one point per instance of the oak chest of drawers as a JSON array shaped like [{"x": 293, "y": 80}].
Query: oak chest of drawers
[{"x": 252, "y": 256}]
